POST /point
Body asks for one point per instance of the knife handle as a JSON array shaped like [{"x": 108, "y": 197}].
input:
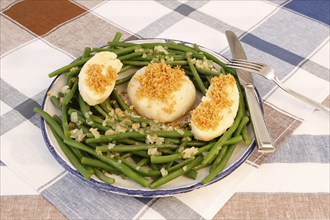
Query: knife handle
[{"x": 264, "y": 141}]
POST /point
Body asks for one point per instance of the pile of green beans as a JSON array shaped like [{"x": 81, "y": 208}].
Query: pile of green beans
[{"x": 110, "y": 138}]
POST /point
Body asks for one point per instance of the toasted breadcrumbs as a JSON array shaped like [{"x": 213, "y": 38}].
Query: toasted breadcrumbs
[
  {"x": 206, "y": 116},
  {"x": 96, "y": 80},
  {"x": 159, "y": 82}
]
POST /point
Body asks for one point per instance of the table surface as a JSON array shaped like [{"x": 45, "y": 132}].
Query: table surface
[{"x": 38, "y": 37}]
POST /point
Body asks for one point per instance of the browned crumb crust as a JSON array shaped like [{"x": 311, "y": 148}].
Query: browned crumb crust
[
  {"x": 159, "y": 82},
  {"x": 98, "y": 82},
  {"x": 206, "y": 116}
]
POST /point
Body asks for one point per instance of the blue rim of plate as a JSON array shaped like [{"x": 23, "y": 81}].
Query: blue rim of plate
[{"x": 147, "y": 193}]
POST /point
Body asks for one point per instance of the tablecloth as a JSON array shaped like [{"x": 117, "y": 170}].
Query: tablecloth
[{"x": 39, "y": 36}]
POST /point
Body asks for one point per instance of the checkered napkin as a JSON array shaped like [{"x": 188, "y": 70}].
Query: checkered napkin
[{"x": 38, "y": 37}]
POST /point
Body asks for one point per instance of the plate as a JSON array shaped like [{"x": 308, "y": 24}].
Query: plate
[{"x": 126, "y": 186}]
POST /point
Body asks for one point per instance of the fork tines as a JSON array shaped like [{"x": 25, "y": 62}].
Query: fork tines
[
  {"x": 247, "y": 62},
  {"x": 240, "y": 63}
]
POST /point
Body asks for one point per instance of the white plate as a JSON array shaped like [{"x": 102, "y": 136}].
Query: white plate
[{"x": 126, "y": 186}]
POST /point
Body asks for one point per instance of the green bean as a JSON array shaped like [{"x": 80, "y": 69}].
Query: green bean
[
  {"x": 120, "y": 100},
  {"x": 235, "y": 139},
  {"x": 55, "y": 101},
  {"x": 223, "y": 71},
  {"x": 129, "y": 56},
  {"x": 181, "y": 147},
  {"x": 115, "y": 163},
  {"x": 220, "y": 166},
  {"x": 196, "y": 75},
  {"x": 192, "y": 174},
  {"x": 135, "y": 63},
  {"x": 171, "y": 134},
  {"x": 143, "y": 154},
  {"x": 73, "y": 72},
  {"x": 208, "y": 72},
  {"x": 141, "y": 120},
  {"x": 140, "y": 147},
  {"x": 127, "y": 50},
  {"x": 117, "y": 36},
  {"x": 176, "y": 62},
  {"x": 129, "y": 141},
  {"x": 106, "y": 106},
  {"x": 165, "y": 159},
  {"x": 57, "y": 119},
  {"x": 71, "y": 156},
  {"x": 243, "y": 123},
  {"x": 68, "y": 67},
  {"x": 103, "y": 49},
  {"x": 114, "y": 103},
  {"x": 102, "y": 149},
  {"x": 245, "y": 136},
  {"x": 51, "y": 121},
  {"x": 120, "y": 44},
  {"x": 181, "y": 164},
  {"x": 175, "y": 174},
  {"x": 141, "y": 170},
  {"x": 218, "y": 158},
  {"x": 125, "y": 68},
  {"x": 124, "y": 80},
  {"x": 166, "y": 151},
  {"x": 83, "y": 106},
  {"x": 143, "y": 162},
  {"x": 85, "y": 130},
  {"x": 232, "y": 141},
  {"x": 196, "y": 143},
  {"x": 220, "y": 63},
  {"x": 103, "y": 177},
  {"x": 154, "y": 166},
  {"x": 86, "y": 52},
  {"x": 69, "y": 82},
  {"x": 115, "y": 137},
  {"x": 196, "y": 47},
  {"x": 99, "y": 164},
  {"x": 172, "y": 141},
  {"x": 100, "y": 110},
  {"x": 145, "y": 58},
  {"x": 64, "y": 119},
  {"x": 70, "y": 94},
  {"x": 91, "y": 118},
  {"x": 127, "y": 155}
]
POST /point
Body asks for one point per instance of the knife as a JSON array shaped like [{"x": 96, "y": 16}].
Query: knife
[{"x": 263, "y": 139}]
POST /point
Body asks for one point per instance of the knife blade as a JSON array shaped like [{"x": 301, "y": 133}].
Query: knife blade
[{"x": 263, "y": 139}]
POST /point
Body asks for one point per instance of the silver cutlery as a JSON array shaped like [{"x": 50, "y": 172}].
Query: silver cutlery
[
  {"x": 263, "y": 139},
  {"x": 269, "y": 73}
]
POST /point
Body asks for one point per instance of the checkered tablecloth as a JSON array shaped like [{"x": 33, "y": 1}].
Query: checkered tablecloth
[{"x": 39, "y": 36}]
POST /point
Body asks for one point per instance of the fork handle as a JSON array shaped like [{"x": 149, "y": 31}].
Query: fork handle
[
  {"x": 309, "y": 101},
  {"x": 263, "y": 139}
]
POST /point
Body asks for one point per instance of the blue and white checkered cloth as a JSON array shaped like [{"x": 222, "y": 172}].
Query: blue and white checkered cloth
[{"x": 291, "y": 36}]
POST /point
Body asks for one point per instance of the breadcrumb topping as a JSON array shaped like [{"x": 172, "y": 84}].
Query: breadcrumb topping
[
  {"x": 96, "y": 80},
  {"x": 159, "y": 82},
  {"x": 206, "y": 116}
]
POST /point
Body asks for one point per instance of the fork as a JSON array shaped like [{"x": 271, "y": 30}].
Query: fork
[{"x": 269, "y": 73}]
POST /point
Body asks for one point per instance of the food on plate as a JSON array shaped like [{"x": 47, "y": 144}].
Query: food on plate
[
  {"x": 217, "y": 111},
  {"x": 141, "y": 136},
  {"x": 161, "y": 92},
  {"x": 98, "y": 76}
]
